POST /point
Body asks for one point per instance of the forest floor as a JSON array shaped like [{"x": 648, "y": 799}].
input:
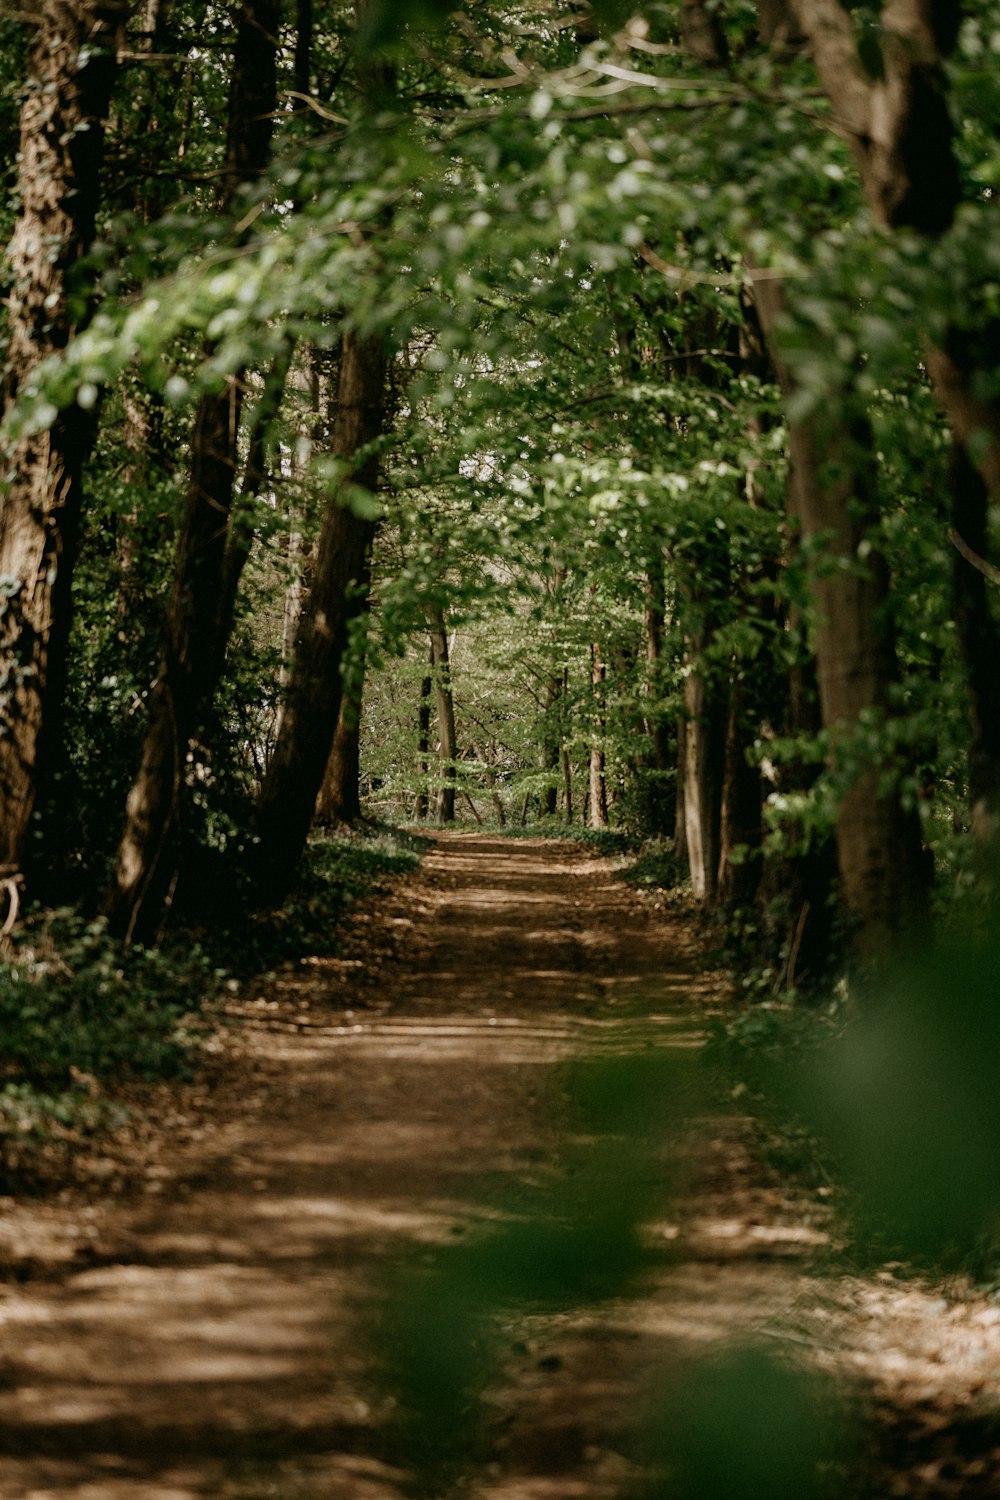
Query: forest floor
[{"x": 200, "y": 1315}]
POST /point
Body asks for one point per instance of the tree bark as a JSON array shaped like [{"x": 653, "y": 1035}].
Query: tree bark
[
  {"x": 704, "y": 744},
  {"x": 147, "y": 857},
  {"x": 551, "y": 746},
  {"x": 72, "y": 66},
  {"x": 901, "y": 134},
  {"x": 979, "y": 639},
  {"x": 883, "y": 873},
  {"x": 598, "y": 781},
  {"x": 424, "y": 740},
  {"x": 336, "y": 597},
  {"x": 445, "y": 702},
  {"x": 339, "y": 802},
  {"x": 740, "y": 824}
]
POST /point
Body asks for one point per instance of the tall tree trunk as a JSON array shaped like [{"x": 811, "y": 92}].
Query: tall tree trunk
[
  {"x": 740, "y": 822},
  {"x": 147, "y": 855},
  {"x": 680, "y": 813},
  {"x": 486, "y": 756},
  {"x": 654, "y": 616},
  {"x": 424, "y": 740},
  {"x": 72, "y": 66},
  {"x": 598, "y": 780},
  {"x": 302, "y": 65},
  {"x": 980, "y": 642},
  {"x": 550, "y": 747},
  {"x": 336, "y": 597},
  {"x": 704, "y": 762},
  {"x": 901, "y": 133},
  {"x": 884, "y": 876},
  {"x": 339, "y": 801},
  {"x": 660, "y": 801},
  {"x": 444, "y": 698}
]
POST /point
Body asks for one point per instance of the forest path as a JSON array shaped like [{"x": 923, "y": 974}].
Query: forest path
[{"x": 215, "y": 1338}]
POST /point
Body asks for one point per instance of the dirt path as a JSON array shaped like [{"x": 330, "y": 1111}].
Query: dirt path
[{"x": 210, "y": 1336}]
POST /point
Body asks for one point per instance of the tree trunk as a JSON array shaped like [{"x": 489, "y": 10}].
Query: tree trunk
[
  {"x": 884, "y": 876},
  {"x": 72, "y": 66},
  {"x": 740, "y": 822},
  {"x": 654, "y": 616},
  {"x": 980, "y": 642},
  {"x": 550, "y": 748},
  {"x": 901, "y": 133},
  {"x": 680, "y": 813},
  {"x": 567, "y": 772},
  {"x": 445, "y": 701},
  {"x": 704, "y": 760},
  {"x": 598, "y": 781},
  {"x": 147, "y": 857},
  {"x": 339, "y": 801},
  {"x": 424, "y": 740},
  {"x": 659, "y": 800},
  {"x": 336, "y": 597}
]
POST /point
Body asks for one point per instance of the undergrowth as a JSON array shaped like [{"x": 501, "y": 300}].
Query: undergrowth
[
  {"x": 336, "y": 870},
  {"x": 79, "y": 1014},
  {"x": 603, "y": 840},
  {"x": 757, "y": 1059}
]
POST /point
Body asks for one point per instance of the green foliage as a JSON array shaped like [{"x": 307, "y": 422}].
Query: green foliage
[
  {"x": 907, "y": 1100},
  {"x": 337, "y": 869},
  {"x": 72, "y": 1001},
  {"x": 655, "y": 867},
  {"x": 79, "y": 1016},
  {"x": 745, "y": 1422}
]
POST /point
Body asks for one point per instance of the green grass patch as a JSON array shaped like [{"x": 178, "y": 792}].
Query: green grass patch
[{"x": 603, "y": 840}]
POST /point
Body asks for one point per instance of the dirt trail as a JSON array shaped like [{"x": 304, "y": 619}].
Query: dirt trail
[{"x": 208, "y": 1336}]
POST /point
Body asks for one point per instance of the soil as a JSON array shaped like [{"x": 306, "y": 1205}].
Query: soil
[{"x": 209, "y": 1312}]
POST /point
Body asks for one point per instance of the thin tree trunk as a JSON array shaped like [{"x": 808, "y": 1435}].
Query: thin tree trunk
[
  {"x": 680, "y": 815},
  {"x": 654, "y": 615},
  {"x": 598, "y": 782},
  {"x": 740, "y": 813},
  {"x": 445, "y": 701},
  {"x": 704, "y": 760},
  {"x": 147, "y": 857},
  {"x": 71, "y": 69},
  {"x": 484, "y": 754},
  {"x": 567, "y": 772},
  {"x": 302, "y": 65},
  {"x": 550, "y": 748},
  {"x": 980, "y": 643},
  {"x": 424, "y": 739}
]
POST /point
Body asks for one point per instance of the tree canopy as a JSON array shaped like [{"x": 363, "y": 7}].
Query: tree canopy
[{"x": 581, "y": 412}]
